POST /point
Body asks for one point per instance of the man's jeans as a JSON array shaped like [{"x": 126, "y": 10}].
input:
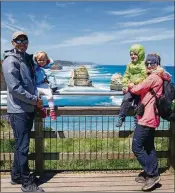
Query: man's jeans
[
  {"x": 144, "y": 150},
  {"x": 21, "y": 124},
  {"x": 127, "y": 103}
]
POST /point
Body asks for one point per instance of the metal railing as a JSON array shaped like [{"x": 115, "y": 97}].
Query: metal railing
[{"x": 85, "y": 138}]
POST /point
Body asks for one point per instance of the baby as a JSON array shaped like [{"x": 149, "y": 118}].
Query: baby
[
  {"x": 41, "y": 61},
  {"x": 135, "y": 73}
]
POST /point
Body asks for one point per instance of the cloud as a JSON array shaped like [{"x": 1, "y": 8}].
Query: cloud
[
  {"x": 97, "y": 38},
  {"x": 128, "y": 12},
  {"x": 169, "y": 8},
  {"x": 63, "y": 4},
  {"x": 39, "y": 27},
  {"x": 86, "y": 30},
  {"x": 94, "y": 38},
  {"x": 88, "y": 10},
  {"x": 60, "y": 4},
  {"x": 12, "y": 27},
  {"x": 10, "y": 18},
  {"x": 169, "y": 34},
  {"x": 36, "y": 27},
  {"x": 5, "y": 44},
  {"x": 4, "y": 41},
  {"x": 114, "y": 37},
  {"x": 148, "y": 22}
]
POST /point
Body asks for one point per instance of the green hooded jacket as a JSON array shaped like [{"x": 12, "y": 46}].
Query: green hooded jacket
[{"x": 135, "y": 71}]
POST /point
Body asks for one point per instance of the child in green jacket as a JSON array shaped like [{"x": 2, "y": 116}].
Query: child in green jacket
[{"x": 135, "y": 73}]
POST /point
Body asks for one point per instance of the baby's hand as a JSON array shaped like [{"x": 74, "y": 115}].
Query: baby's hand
[
  {"x": 130, "y": 85},
  {"x": 159, "y": 70},
  {"x": 125, "y": 90}
]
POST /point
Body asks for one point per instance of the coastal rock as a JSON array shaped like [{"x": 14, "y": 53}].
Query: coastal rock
[
  {"x": 116, "y": 82},
  {"x": 80, "y": 77},
  {"x": 56, "y": 67}
]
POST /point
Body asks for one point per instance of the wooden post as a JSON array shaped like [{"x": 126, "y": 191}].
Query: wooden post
[
  {"x": 39, "y": 145},
  {"x": 172, "y": 145}
]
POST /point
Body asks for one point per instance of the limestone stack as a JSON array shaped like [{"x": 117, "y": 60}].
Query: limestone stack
[
  {"x": 116, "y": 82},
  {"x": 80, "y": 77}
]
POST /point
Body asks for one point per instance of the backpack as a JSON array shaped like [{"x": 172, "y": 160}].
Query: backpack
[{"x": 164, "y": 103}]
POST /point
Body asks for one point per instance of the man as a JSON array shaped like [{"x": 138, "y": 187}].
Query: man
[{"x": 21, "y": 101}]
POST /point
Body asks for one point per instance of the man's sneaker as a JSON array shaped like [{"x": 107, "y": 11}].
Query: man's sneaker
[
  {"x": 151, "y": 182},
  {"x": 31, "y": 188},
  {"x": 19, "y": 181},
  {"x": 119, "y": 122},
  {"x": 141, "y": 178},
  {"x": 16, "y": 181},
  {"x": 53, "y": 115}
]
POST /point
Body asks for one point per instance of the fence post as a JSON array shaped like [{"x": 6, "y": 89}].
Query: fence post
[
  {"x": 172, "y": 145},
  {"x": 39, "y": 145}
]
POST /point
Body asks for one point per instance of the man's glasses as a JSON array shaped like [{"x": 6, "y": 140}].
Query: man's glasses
[
  {"x": 149, "y": 63},
  {"x": 21, "y": 41}
]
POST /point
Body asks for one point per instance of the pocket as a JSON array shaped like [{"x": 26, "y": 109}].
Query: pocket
[
  {"x": 17, "y": 101},
  {"x": 21, "y": 117}
]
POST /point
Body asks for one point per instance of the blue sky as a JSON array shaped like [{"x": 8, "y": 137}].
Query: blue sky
[{"x": 99, "y": 32}]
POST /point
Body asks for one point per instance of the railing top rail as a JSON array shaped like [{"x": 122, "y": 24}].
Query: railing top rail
[
  {"x": 78, "y": 108},
  {"x": 109, "y": 93}
]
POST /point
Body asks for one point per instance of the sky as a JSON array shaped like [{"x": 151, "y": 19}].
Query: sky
[{"x": 99, "y": 32}]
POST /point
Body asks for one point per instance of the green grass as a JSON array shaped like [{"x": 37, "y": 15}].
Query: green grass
[{"x": 83, "y": 145}]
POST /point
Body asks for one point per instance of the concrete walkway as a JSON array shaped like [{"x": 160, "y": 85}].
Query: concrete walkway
[{"x": 93, "y": 182}]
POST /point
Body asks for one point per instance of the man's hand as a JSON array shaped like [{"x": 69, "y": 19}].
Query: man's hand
[
  {"x": 39, "y": 103},
  {"x": 125, "y": 90}
]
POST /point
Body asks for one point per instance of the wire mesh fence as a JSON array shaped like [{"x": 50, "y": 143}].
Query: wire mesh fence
[{"x": 82, "y": 142}]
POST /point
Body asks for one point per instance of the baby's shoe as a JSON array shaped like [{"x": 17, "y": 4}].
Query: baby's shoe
[{"x": 53, "y": 115}]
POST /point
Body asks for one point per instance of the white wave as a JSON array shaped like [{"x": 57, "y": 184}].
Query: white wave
[
  {"x": 116, "y": 100},
  {"x": 62, "y": 74},
  {"x": 102, "y": 87},
  {"x": 54, "y": 97},
  {"x": 105, "y": 74},
  {"x": 78, "y": 88},
  {"x": 99, "y": 76},
  {"x": 104, "y": 104},
  {"x": 97, "y": 87},
  {"x": 3, "y": 99}
]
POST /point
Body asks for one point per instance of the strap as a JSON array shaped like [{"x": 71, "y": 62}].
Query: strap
[{"x": 153, "y": 94}]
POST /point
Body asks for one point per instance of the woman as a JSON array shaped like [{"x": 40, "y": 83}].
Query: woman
[{"x": 143, "y": 139}]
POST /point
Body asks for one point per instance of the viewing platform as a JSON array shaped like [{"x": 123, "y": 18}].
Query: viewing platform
[{"x": 83, "y": 150}]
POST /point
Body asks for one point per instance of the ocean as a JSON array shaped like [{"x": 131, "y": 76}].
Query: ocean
[{"x": 101, "y": 78}]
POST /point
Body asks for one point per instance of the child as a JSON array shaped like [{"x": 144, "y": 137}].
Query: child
[
  {"x": 135, "y": 73},
  {"x": 42, "y": 62}
]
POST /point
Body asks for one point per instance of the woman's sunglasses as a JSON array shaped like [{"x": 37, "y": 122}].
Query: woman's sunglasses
[
  {"x": 21, "y": 41},
  {"x": 149, "y": 63}
]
